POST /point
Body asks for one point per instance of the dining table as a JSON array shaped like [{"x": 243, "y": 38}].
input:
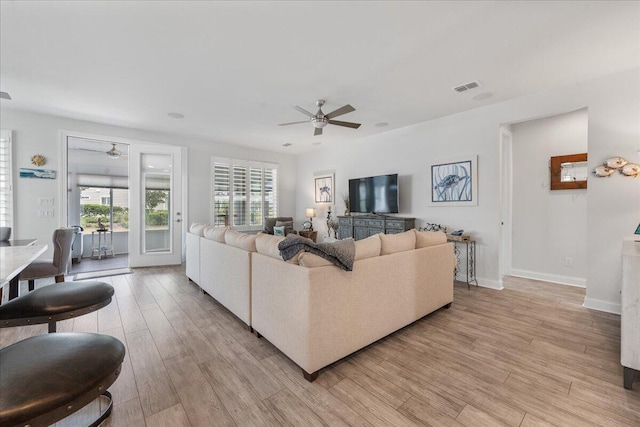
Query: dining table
[{"x": 15, "y": 256}]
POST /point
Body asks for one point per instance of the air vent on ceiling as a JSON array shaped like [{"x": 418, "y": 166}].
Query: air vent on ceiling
[
  {"x": 467, "y": 86},
  {"x": 5, "y": 95}
]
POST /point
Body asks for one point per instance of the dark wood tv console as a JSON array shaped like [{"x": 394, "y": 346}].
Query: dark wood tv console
[{"x": 363, "y": 226}]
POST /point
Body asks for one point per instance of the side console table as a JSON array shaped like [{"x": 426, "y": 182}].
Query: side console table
[
  {"x": 470, "y": 248},
  {"x": 102, "y": 247},
  {"x": 362, "y": 226}
]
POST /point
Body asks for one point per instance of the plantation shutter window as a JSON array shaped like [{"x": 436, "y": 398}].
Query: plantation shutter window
[
  {"x": 6, "y": 183},
  {"x": 243, "y": 193}
]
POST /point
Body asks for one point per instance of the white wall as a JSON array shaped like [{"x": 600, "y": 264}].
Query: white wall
[
  {"x": 548, "y": 226},
  {"x": 40, "y": 134},
  {"x": 613, "y": 206}
]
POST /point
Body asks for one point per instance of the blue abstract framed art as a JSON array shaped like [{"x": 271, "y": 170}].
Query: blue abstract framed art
[{"x": 454, "y": 182}]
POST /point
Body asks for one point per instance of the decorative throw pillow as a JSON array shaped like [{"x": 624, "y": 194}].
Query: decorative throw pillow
[
  {"x": 368, "y": 248},
  {"x": 425, "y": 239},
  {"x": 288, "y": 226},
  {"x": 197, "y": 229},
  {"x": 392, "y": 243},
  {"x": 215, "y": 233},
  {"x": 279, "y": 231},
  {"x": 240, "y": 240},
  {"x": 270, "y": 222}
]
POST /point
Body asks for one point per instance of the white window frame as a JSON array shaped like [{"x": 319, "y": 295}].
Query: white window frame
[
  {"x": 6, "y": 196},
  {"x": 247, "y": 214}
]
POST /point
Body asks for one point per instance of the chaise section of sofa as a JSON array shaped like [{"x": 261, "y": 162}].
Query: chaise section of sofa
[{"x": 321, "y": 314}]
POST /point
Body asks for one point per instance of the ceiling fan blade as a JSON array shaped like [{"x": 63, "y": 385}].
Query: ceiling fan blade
[
  {"x": 293, "y": 123},
  {"x": 303, "y": 111},
  {"x": 317, "y": 131},
  {"x": 345, "y": 124},
  {"x": 340, "y": 111}
]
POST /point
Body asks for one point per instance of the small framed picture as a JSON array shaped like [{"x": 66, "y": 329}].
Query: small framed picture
[{"x": 324, "y": 189}]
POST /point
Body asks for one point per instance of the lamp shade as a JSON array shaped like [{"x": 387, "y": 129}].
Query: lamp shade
[{"x": 310, "y": 212}]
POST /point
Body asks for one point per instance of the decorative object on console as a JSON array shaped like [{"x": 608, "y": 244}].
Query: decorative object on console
[
  {"x": 310, "y": 213},
  {"x": 324, "y": 189},
  {"x": 433, "y": 227},
  {"x": 454, "y": 182},
  {"x": 345, "y": 199},
  {"x": 630, "y": 169},
  {"x": 38, "y": 160}
]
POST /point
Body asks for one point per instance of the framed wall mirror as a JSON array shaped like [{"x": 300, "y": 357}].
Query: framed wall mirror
[{"x": 569, "y": 172}]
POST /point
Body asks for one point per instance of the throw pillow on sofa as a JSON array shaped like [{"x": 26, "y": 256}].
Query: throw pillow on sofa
[
  {"x": 215, "y": 233},
  {"x": 240, "y": 240},
  {"x": 392, "y": 243},
  {"x": 279, "y": 230},
  {"x": 269, "y": 223},
  {"x": 368, "y": 248},
  {"x": 425, "y": 239},
  {"x": 197, "y": 229},
  {"x": 288, "y": 226}
]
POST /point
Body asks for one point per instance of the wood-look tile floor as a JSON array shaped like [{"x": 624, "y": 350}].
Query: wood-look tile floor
[{"x": 529, "y": 355}]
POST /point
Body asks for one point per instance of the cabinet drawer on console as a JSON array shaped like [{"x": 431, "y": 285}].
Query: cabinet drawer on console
[
  {"x": 344, "y": 221},
  {"x": 375, "y": 223},
  {"x": 360, "y": 222},
  {"x": 395, "y": 224}
]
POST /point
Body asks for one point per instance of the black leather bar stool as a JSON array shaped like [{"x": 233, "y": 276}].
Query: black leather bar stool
[
  {"x": 48, "y": 377},
  {"x": 55, "y": 302}
]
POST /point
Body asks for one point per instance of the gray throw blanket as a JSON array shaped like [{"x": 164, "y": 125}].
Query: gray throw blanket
[{"x": 340, "y": 253}]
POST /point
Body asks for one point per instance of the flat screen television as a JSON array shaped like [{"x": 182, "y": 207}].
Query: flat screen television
[{"x": 374, "y": 194}]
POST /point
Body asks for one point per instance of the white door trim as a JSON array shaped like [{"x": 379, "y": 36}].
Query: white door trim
[{"x": 506, "y": 201}]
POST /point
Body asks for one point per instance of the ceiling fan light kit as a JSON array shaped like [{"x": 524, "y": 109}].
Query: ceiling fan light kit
[
  {"x": 114, "y": 153},
  {"x": 321, "y": 120}
]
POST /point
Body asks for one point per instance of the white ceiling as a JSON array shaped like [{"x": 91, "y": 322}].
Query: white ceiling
[{"x": 234, "y": 69}]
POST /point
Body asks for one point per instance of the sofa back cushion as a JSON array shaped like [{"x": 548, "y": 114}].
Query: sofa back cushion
[
  {"x": 197, "y": 229},
  {"x": 425, "y": 239},
  {"x": 368, "y": 248},
  {"x": 311, "y": 260},
  {"x": 392, "y": 243},
  {"x": 215, "y": 233},
  {"x": 269, "y": 223},
  {"x": 267, "y": 244},
  {"x": 240, "y": 240}
]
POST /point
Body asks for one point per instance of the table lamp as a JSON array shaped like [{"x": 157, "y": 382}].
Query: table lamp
[{"x": 310, "y": 213}]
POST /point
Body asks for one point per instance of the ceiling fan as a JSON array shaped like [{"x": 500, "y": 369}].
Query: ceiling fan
[
  {"x": 112, "y": 153},
  {"x": 320, "y": 120}
]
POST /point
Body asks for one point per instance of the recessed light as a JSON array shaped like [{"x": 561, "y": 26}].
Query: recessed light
[
  {"x": 176, "y": 115},
  {"x": 381, "y": 124},
  {"x": 151, "y": 166},
  {"x": 483, "y": 95},
  {"x": 287, "y": 144}
]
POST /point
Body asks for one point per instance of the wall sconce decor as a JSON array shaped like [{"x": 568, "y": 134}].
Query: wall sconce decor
[{"x": 609, "y": 166}]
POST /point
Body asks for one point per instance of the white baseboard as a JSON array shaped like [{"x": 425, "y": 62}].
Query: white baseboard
[
  {"x": 595, "y": 304},
  {"x": 554, "y": 278},
  {"x": 491, "y": 284}
]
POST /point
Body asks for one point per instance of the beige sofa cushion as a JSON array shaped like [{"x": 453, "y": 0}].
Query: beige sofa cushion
[
  {"x": 267, "y": 244},
  {"x": 368, "y": 248},
  {"x": 240, "y": 240},
  {"x": 392, "y": 243},
  {"x": 425, "y": 239},
  {"x": 215, "y": 233},
  {"x": 197, "y": 229}
]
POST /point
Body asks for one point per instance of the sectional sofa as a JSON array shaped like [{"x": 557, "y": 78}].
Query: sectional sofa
[{"x": 314, "y": 312}]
